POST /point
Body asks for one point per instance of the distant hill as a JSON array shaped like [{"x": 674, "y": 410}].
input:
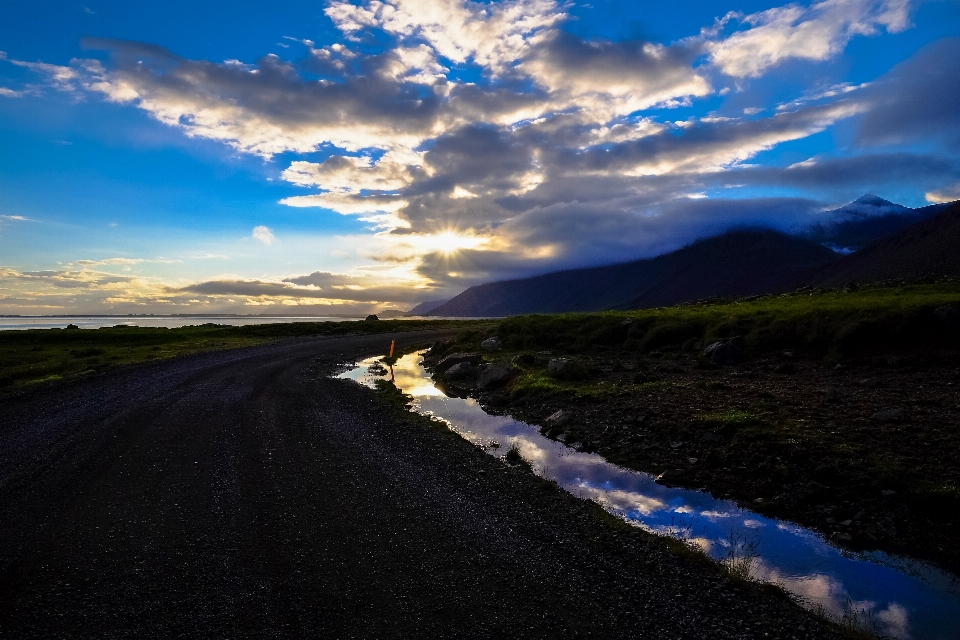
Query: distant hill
[
  {"x": 864, "y": 220},
  {"x": 425, "y": 307},
  {"x": 737, "y": 263},
  {"x": 929, "y": 248}
]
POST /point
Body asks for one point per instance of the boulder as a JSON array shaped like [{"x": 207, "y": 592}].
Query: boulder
[
  {"x": 558, "y": 418},
  {"x": 723, "y": 352},
  {"x": 565, "y": 369},
  {"x": 492, "y": 344},
  {"x": 495, "y": 374},
  {"x": 437, "y": 348},
  {"x": 460, "y": 371},
  {"x": 524, "y": 359},
  {"x": 457, "y": 358}
]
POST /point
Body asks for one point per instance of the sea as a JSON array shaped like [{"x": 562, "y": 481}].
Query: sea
[{"x": 8, "y": 323}]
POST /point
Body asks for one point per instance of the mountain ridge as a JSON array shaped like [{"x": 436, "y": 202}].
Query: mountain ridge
[{"x": 740, "y": 262}]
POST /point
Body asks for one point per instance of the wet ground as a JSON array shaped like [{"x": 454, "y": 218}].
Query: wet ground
[
  {"x": 892, "y": 596},
  {"x": 244, "y": 493},
  {"x": 863, "y": 453}
]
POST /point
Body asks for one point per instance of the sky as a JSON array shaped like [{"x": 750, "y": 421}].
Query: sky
[{"x": 352, "y": 157}]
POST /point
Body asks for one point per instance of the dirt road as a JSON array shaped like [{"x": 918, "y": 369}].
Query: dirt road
[{"x": 246, "y": 494}]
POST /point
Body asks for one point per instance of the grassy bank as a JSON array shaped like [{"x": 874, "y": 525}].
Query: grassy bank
[
  {"x": 41, "y": 355},
  {"x": 840, "y": 412},
  {"x": 833, "y": 324}
]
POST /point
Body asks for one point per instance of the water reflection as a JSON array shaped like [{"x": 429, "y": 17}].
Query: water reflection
[{"x": 900, "y": 597}]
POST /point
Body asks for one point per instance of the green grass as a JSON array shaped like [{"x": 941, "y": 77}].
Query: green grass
[
  {"x": 537, "y": 382},
  {"x": 836, "y": 323},
  {"x": 42, "y": 355}
]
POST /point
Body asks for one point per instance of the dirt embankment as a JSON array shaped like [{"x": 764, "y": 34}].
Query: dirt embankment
[{"x": 245, "y": 493}]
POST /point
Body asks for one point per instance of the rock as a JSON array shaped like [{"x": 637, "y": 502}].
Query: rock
[
  {"x": 72, "y": 326},
  {"x": 437, "y": 348},
  {"x": 371, "y": 318},
  {"x": 891, "y": 415},
  {"x": 498, "y": 399},
  {"x": 524, "y": 359},
  {"x": 457, "y": 358},
  {"x": 558, "y": 418},
  {"x": 671, "y": 476},
  {"x": 460, "y": 371},
  {"x": 723, "y": 352},
  {"x": 565, "y": 369},
  {"x": 495, "y": 374},
  {"x": 492, "y": 344}
]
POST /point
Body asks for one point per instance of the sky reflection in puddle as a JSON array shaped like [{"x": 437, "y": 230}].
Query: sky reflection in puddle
[{"x": 906, "y": 599}]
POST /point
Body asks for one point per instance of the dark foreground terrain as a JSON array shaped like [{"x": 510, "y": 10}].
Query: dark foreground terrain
[
  {"x": 245, "y": 494},
  {"x": 836, "y": 410}
]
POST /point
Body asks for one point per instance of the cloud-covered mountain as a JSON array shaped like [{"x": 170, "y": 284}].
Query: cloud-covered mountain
[
  {"x": 737, "y": 263},
  {"x": 927, "y": 249},
  {"x": 864, "y": 220}
]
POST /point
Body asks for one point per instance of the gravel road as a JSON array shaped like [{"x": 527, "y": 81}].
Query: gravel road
[{"x": 246, "y": 494}]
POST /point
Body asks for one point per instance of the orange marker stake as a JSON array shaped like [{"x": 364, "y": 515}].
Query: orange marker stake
[{"x": 392, "y": 342}]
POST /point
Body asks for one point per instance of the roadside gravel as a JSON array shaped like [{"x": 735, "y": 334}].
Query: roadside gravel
[{"x": 247, "y": 494}]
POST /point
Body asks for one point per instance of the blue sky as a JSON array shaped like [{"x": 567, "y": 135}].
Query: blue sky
[{"x": 350, "y": 157}]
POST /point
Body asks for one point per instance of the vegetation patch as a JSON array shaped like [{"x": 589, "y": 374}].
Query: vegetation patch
[{"x": 43, "y": 355}]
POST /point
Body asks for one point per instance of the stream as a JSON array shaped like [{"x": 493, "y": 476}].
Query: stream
[{"x": 895, "y": 596}]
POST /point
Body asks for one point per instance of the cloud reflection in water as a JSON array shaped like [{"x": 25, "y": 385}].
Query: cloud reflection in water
[{"x": 903, "y": 598}]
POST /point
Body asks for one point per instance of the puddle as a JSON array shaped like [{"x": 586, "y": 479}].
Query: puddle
[{"x": 899, "y": 597}]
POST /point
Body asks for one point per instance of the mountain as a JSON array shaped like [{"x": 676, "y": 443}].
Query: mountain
[
  {"x": 737, "y": 263},
  {"x": 864, "y": 220},
  {"x": 425, "y": 307},
  {"x": 929, "y": 248}
]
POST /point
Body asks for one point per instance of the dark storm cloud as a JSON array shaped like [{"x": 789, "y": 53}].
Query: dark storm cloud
[
  {"x": 918, "y": 99},
  {"x": 864, "y": 172},
  {"x": 585, "y": 234}
]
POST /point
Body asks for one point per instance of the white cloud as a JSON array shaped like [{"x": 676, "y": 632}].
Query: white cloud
[
  {"x": 950, "y": 193},
  {"x": 817, "y": 33},
  {"x": 264, "y": 235},
  {"x": 354, "y": 174},
  {"x": 492, "y": 35}
]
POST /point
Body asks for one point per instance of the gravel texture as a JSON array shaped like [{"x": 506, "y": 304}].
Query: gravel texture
[{"x": 247, "y": 494}]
